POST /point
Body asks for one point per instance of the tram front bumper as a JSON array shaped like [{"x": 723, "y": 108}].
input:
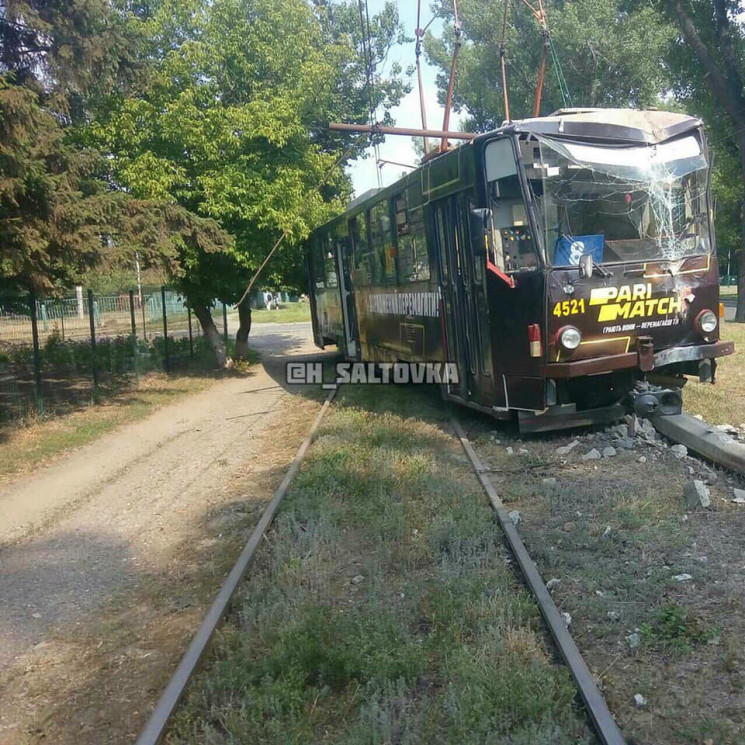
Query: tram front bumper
[{"x": 635, "y": 359}]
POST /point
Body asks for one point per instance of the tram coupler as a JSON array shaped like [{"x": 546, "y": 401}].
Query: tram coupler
[
  {"x": 649, "y": 401},
  {"x": 645, "y": 350}
]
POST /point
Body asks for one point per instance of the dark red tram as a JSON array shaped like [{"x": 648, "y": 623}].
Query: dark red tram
[{"x": 560, "y": 261}]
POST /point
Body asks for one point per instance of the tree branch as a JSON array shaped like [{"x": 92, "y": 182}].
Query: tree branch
[
  {"x": 735, "y": 107},
  {"x": 724, "y": 38}
]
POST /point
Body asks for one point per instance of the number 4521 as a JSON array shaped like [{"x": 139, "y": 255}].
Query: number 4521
[{"x": 569, "y": 307}]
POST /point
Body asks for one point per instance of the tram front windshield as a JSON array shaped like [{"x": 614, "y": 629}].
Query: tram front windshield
[{"x": 620, "y": 203}]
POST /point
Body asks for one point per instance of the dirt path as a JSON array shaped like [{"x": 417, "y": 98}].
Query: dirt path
[{"x": 108, "y": 558}]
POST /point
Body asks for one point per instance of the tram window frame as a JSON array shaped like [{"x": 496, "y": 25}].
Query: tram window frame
[
  {"x": 381, "y": 240},
  {"x": 329, "y": 254},
  {"x": 413, "y": 257},
  {"x": 362, "y": 254},
  {"x": 509, "y": 209},
  {"x": 440, "y": 221},
  {"x": 319, "y": 263}
]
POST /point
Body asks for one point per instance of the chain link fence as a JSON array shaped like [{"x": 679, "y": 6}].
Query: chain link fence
[{"x": 56, "y": 354}]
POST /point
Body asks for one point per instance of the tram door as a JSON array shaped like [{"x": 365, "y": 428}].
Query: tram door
[
  {"x": 343, "y": 250},
  {"x": 462, "y": 279}
]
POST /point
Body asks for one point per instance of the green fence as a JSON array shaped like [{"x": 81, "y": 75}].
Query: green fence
[{"x": 56, "y": 354}]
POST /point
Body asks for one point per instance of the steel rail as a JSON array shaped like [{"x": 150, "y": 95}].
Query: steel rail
[
  {"x": 169, "y": 700},
  {"x": 600, "y": 714}
]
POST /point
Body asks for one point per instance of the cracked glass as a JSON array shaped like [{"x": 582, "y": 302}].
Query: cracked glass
[{"x": 620, "y": 203}]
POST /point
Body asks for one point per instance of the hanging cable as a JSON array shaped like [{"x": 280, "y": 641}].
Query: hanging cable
[
  {"x": 563, "y": 87},
  {"x": 418, "y": 52},
  {"x": 543, "y": 23},
  {"x": 539, "y": 14},
  {"x": 367, "y": 51},
  {"x": 503, "y": 62},
  {"x": 376, "y": 146},
  {"x": 456, "y": 48},
  {"x": 327, "y": 175}
]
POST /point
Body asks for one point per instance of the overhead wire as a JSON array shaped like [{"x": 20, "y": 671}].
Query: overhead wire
[
  {"x": 458, "y": 31},
  {"x": 418, "y": 53},
  {"x": 286, "y": 231},
  {"x": 367, "y": 51}
]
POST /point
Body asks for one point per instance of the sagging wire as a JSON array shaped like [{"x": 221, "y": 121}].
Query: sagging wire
[
  {"x": 418, "y": 53},
  {"x": 367, "y": 50},
  {"x": 286, "y": 231},
  {"x": 503, "y": 62},
  {"x": 451, "y": 83},
  {"x": 548, "y": 49},
  {"x": 563, "y": 87}
]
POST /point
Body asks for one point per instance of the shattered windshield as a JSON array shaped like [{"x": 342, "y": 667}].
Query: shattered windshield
[{"x": 620, "y": 203}]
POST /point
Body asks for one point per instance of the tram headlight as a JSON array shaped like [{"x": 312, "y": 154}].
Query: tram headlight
[
  {"x": 569, "y": 338},
  {"x": 707, "y": 322}
]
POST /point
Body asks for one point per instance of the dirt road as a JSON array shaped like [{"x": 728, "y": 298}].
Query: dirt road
[{"x": 108, "y": 558}]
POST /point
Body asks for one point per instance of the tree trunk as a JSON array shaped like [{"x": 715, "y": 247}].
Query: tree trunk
[
  {"x": 213, "y": 336},
  {"x": 726, "y": 87},
  {"x": 244, "y": 329},
  {"x": 740, "y": 312}
]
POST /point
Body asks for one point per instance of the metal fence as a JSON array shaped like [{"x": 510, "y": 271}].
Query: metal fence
[{"x": 58, "y": 353}]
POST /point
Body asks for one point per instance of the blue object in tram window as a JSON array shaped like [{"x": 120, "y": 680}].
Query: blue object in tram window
[{"x": 569, "y": 250}]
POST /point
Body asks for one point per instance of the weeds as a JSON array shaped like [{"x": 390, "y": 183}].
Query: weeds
[
  {"x": 675, "y": 627},
  {"x": 384, "y": 610}
]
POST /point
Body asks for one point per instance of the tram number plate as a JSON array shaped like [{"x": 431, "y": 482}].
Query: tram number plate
[{"x": 569, "y": 307}]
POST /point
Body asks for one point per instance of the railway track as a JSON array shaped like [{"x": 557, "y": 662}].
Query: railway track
[
  {"x": 158, "y": 723},
  {"x": 597, "y": 708},
  {"x": 696, "y": 435}
]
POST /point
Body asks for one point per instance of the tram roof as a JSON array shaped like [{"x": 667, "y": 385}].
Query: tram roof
[{"x": 645, "y": 126}]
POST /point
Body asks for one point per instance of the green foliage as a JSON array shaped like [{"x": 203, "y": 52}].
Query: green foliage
[
  {"x": 59, "y": 214},
  {"x": 692, "y": 85},
  {"x": 228, "y": 123},
  {"x": 609, "y": 56},
  {"x": 675, "y": 627}
]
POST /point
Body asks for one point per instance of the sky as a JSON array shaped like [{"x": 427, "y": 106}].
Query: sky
[{"x": 407, "y": 113}]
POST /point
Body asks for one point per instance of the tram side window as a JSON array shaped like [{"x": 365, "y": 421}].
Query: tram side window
[
  {"x": 511, "y": 246},
  {"x": 331, "y": 278},
  {"x": 413, "y": 261},
  {"x": 319, "y": 263},
  {"x": 441, "y": 237},
  {"x": 363, "y": 257},
  {"x": 381, "y": 241}
]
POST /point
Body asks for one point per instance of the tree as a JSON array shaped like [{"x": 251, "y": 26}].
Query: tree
[
  {"x": 230, "y": 122},
  {"x": 709, "y": 58},
  {"x": 610, "y": 56},
  {"x": 59, "y": 214}
]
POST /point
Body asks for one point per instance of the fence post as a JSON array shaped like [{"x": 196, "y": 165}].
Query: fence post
[
  {"x": 37, "y": 354},
  {"x": 225, "y": 322},
  {"x": 62, "y": 318},
  {"x": 144, "y": 322},
  {"x": 166, "y": 360},
  {"x": 191, "y": 338},
  {"x": 134, "y": 332},
  {"x": 94, "y": 356}
]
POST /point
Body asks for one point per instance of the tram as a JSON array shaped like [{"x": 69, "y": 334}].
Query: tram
[{"x": 567, "y": 265}]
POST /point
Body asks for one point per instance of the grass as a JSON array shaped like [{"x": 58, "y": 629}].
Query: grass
[
  {"x": 674, "y": 626},
  {"x": 618, "y": 536},
  {"x": 288, "y": 313},
  {"x": 724, "y": 402},
  {"x": 383, "y": 608}
]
